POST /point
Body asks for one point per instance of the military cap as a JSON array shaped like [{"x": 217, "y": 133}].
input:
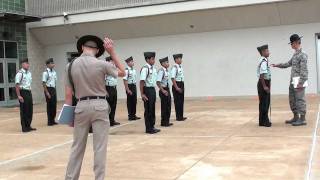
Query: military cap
[
  {"x": 262, "y": 48},
  {"x": 149, "y": 55},
  {"x": 49, "y": 61},
  {"x": 166, "y": 59},
  {"x": 129, "y": 59},
  {"x": 24, "y": 60},
  {"x": 176, "y": 56}
]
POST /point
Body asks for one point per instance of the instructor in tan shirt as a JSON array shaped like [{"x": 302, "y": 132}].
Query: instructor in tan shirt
[{"x": 86, "y": 79}]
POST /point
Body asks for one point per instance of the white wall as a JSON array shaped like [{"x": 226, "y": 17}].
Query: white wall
[{"x": 221, "y": 63}]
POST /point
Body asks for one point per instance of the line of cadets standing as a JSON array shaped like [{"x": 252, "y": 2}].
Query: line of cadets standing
[{"x": 149, "y": 79}]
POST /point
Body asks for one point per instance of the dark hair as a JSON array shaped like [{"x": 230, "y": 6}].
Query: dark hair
[{"x": 148, "y": 58}]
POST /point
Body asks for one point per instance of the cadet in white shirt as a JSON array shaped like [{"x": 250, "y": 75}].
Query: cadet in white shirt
[
  {"x": 148, "y": 77},
  {"x": 264, "y": 86},
  {"x": 129, "y": 82},
  {"x": 49, "y": 80},
  {"x": 23, "y": 82},
  {"x": 177, "y": 78},
  {"x": 164, "y": 92}
]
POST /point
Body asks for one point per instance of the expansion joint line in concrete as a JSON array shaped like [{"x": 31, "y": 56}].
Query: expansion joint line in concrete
[
  {"x": 50, "y": 148},
  {"x": 214, "y": 147},
  {"x": 313, "y": 147}
]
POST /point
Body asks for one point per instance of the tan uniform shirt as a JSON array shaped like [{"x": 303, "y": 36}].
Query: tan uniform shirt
[{"x": 88, "y": 75}]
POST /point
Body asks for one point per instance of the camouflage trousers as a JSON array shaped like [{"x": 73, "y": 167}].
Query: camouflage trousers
[{"x": 297, "y": 100}]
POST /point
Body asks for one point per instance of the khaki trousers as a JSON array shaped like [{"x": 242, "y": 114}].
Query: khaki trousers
[{"x": 89, "y": 113}]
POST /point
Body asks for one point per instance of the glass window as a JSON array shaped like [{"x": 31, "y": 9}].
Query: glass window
[
  {"x": 11, "y": 50},
  {"x": 1, "y": 73},
  {"x": 2, "y": 94},
  {"x": 1, "y": 49},
  {"x": 12, "y": 93},
  {"x": 12, "y": 69}
]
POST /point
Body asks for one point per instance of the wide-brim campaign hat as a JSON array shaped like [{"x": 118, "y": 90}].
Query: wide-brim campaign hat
[
  {"x": 176, "y": 56},
  {"x": 99, "y": 43},
  {"x": 294, "y": 38}
]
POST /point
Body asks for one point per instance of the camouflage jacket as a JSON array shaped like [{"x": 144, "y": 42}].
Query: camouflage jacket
[{"x": 298, "y": 62}]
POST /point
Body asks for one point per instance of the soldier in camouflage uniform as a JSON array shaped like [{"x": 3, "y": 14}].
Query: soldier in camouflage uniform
[{"x": 299, "y": 69}]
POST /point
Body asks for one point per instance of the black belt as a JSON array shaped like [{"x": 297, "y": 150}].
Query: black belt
[
  {"x": 92, "y": 97},
  {"x": 51, "y": 87},
  {"x": 25, "y": 90}
]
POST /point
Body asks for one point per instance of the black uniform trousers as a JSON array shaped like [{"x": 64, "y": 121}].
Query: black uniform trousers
[
  {"x": 112, "y": 100},
  {"x": 149, "y": 108},
  {"x": 178, "y": 100},
  {"x": 26, "y": 110},
  {"x": 264, "y": 103},
  {"x": 132, "y": 101},
  {"x": 51, "y": 105},
  {"x": 165, "y": 107}
]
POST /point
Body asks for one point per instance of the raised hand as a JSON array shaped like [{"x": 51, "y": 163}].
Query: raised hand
[{"x": 108, "y": 45}]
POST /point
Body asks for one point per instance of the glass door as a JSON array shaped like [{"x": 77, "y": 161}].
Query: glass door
[
  {"x": 12, "y": 67},
  {"x": 8, "y": 69}
]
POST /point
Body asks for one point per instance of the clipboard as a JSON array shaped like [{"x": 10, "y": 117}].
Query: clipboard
[{"x": 66, "y": 115}]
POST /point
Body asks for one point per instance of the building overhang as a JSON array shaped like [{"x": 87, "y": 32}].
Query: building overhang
[
  {"x": 16, "y": 17},
  {"x": 276, "y": 13},
  {"x": 143, "y": 11}
]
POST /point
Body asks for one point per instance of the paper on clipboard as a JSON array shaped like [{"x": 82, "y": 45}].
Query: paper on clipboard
[{"x": 295, "y": 82}]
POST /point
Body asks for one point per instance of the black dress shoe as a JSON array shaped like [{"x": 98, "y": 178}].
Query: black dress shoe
[
  {"x": 156, "y": 130},
  {"x": 184, "y": 118},
  {"x": 167, "y": 125},
  {"x": 55, "y": 123},
  {"x": 115, "y": 123},
  {"x": 180, "y": 119},
  {"x": 26, "y": 130},
  {"x": 269, "y": 124},
  {"x": 150, "y": 132},
  {"x": 134, "y": 118},
  {"x": 32, "y": 129}
]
